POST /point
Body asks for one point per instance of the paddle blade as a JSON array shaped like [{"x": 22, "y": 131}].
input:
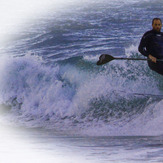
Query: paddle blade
[{"x": 104, "y": 58}]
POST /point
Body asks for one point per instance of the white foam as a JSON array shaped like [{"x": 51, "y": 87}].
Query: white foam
[{"x": 55, "y": 96}]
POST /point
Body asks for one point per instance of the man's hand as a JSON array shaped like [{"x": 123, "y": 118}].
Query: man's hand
[{"x": 153, "y": 59}]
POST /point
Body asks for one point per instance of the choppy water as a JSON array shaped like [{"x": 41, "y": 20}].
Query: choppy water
[{"x": 50, "y": 80}]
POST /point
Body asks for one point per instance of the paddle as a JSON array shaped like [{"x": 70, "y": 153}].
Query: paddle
[{"x": 105, "y": 58}]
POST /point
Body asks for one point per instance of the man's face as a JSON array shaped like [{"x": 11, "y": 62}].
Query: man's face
[{"x": 157, "y": 25}]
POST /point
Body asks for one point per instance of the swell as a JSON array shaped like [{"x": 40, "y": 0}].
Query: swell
[
  {"x": 50, "y": 78},
  {"x": 75, "y": 93}
]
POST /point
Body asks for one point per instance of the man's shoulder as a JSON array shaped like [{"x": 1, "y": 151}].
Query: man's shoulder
[{"x": 148, "y": 33}]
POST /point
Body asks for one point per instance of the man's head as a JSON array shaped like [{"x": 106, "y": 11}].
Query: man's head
[{"x": 157, "y": 24}]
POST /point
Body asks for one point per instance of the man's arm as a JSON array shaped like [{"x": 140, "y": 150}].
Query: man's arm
[{"x": 142, "y": 46}]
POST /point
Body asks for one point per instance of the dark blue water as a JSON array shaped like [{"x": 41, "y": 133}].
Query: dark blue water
[
  {"x": 49, "y": 77},
  {"x": 90, "y": 28}
]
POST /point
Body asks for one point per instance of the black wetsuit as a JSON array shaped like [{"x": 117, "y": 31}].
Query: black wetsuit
[{"x": 152, "y": 43}]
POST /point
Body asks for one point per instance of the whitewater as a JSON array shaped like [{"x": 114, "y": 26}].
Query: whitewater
[{"x": 51, "y": 87}]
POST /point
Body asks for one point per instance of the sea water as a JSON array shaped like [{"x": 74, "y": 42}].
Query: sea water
[{"x": 57, "y": 105}]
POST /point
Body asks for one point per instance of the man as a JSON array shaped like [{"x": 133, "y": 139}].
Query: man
[{"x": 151, "y": 46}]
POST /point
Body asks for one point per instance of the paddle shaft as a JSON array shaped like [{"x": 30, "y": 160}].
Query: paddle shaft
[
  {"x": 138, "y": 59},
  {"x": 105, "y": 58}
]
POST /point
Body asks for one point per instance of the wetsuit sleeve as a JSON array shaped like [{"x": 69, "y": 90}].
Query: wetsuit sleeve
[{"x": 142, "y": 46}]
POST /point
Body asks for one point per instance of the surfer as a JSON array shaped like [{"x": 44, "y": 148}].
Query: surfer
[{"x": 151, "y": 46}]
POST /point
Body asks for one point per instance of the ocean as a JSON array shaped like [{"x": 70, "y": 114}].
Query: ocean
[{"x": 58, "y": 106}]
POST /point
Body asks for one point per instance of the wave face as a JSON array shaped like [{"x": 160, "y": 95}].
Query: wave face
[{"x": 49, "y": 76}]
